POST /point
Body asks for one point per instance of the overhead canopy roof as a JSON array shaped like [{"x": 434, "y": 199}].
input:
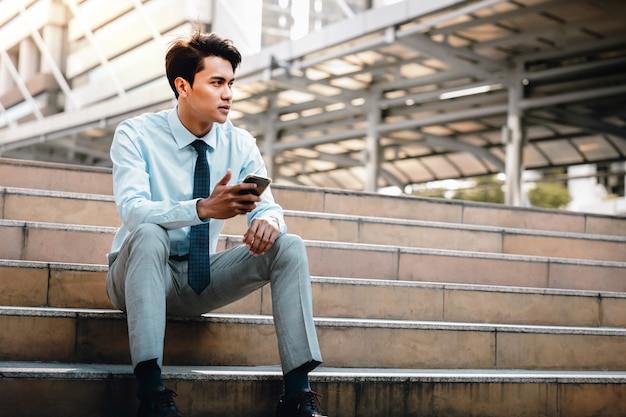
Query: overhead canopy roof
[{"x": 428, "y": 84}]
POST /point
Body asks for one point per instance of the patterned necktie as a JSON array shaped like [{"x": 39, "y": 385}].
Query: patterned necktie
[{"x": 199, "y": 275}]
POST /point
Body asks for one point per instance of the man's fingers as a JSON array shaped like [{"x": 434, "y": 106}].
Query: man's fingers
[
  {"x": 225, "y": 178},
  {"x": 260, "y": 237},
  {"x": 259, "y": 245}
]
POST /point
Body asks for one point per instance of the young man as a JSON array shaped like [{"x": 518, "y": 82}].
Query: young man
[{"x": 159, "y": 261}]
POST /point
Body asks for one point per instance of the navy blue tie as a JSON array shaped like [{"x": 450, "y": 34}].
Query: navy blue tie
[{"x": 199, "y": 275}]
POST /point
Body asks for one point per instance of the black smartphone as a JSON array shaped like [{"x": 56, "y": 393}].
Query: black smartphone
[{"x": 261, "y": 184}]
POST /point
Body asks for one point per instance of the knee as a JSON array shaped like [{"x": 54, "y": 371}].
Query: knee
[
  {"x": 290, "y": 243},
  {"x": 291, "y": 247},
  {"x": 151, "y": 239}
]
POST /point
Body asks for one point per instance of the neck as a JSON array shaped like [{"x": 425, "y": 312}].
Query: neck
[{"x": 197, "y": 127}]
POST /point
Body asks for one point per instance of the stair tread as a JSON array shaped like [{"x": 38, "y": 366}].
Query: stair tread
[
  {"x": 58, "y": 370},
  {"x": 260, "y": 319},
  {"x": 468, "y": 287},
  {"x": 74, "y": 195},
  {"x": 355, "y": 281}
]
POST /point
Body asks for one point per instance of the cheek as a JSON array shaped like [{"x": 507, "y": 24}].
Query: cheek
[{"x": 206, "y": 99}]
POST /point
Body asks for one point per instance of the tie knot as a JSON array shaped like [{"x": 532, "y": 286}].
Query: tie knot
[{"x": 200, "y": 146}]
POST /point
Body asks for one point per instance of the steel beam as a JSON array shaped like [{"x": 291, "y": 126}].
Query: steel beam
[{"x": 571, "y": 97}]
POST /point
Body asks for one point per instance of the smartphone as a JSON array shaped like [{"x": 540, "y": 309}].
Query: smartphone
[{"x": 261, "y": 184}]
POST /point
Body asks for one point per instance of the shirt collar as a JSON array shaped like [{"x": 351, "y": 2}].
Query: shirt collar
[{"x": 184, "y": 137}]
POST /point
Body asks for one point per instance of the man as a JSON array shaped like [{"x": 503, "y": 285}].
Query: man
[{"x": 157, "y": 263}]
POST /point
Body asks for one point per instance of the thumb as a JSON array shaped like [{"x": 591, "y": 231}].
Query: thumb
[{"x": 225, "y": 178}]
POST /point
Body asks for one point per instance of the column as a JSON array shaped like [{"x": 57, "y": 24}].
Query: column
[
  {"x": 240, "y": 21},
  {"x": 301, "y": 15},
  {"x": 53, "y": 39},
  {"x": 270, "y": 136},
  {"x": 514, "y": 141},
  {"x": 6, "y": 81},
  {"x": 372, "y": 162},
  {"x": 28, "y": 59}
]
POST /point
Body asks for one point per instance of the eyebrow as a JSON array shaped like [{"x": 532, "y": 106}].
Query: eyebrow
[{"x": 220, "y": 78}]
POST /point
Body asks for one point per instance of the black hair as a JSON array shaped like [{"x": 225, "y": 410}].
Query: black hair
[{"x": 185, "y": 56}]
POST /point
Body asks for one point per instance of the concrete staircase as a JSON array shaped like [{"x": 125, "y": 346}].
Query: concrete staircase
[{"x": 424, "y": 307}]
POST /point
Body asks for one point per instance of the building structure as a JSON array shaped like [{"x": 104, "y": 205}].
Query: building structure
[{"x": 358, "y": 94}]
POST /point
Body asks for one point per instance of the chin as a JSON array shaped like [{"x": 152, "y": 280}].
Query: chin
[{"x": 220, "y": 118}]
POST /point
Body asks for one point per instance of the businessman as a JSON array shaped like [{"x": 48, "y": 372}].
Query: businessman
[{"x": 177, "y": 176}]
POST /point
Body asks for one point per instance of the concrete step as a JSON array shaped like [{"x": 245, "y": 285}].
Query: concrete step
[
  {"x": 36, "y": 284},
  {"x": 443, "y": 210},
  {"x": 89, "y": 244},
  {"x": 100, "y": 336},
  {"x": 58, "y": 207},
  {"x": 108, "y": 391},
  {"x": 55, "y": 242},
  {"x": 52, "y": 176},
  {"x": 79, "y": 179},
  {"x": 88, "y": 209},
  {"x": 441, "y": 235}
]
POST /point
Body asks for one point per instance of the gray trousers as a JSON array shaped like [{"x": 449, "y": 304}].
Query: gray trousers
[{"x": 147, "y": 284}]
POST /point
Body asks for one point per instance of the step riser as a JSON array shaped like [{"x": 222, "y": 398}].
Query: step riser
[
  {"x": 90, "y": 340},
  {"x": 54, "y": 245},
  {"x": 115, "y": 398},
  {"x": 474, "y": 269},
  {"x": 363, "y": 231},
  {"x": 38, "y": 244},
  {"x": 103, "y": 213},
  {"x": 36, "y": 208},
  {"x": 98, "y": 181},
  {"x": 86, "y": 289},
  {"x": 330, "y": 201},
  {"x": 43, "y": 176}
]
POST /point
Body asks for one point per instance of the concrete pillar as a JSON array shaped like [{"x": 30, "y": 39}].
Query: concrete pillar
[
  {"x": 28, "y": 59},
  {"x": 624, "y": 170},
  {"x": 53, "y": 38},
  {"x": 240, "y": 21},
  {"x": 6, "y": 80},
  {"x": 583, "y": 187},
  {"x": 301, "y": 15},
  {"x": 270, "y": 136},
  {"x": 514, "y": 141},
  {"x": 372, "y": 162}
]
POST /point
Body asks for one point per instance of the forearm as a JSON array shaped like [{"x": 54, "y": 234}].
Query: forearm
[{"x": 168, "y": 214}]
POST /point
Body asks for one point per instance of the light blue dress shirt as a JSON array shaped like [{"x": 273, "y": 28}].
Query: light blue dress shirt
[{"x": 153, "y": 169}]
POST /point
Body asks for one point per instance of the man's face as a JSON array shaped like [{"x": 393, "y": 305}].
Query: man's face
[{"x": 211, "y": 95}]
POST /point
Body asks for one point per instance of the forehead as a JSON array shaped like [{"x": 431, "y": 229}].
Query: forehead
[{"x": 216, "y": 67}]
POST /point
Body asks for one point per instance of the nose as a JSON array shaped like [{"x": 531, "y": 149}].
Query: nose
[{"x": 227, "y": 92}]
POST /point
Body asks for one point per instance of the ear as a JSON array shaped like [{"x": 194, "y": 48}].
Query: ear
[{"x": 182, "y": 86}]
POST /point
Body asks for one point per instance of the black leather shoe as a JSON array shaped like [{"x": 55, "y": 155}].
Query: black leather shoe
[
  {"x": 159, "y": 404},
  {"x": 305, "y": 404}
]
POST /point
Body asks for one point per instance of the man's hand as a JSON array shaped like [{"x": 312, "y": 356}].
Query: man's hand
[
  {"x": 227, "y": 201},
  {"x": 261, "y": 235}
]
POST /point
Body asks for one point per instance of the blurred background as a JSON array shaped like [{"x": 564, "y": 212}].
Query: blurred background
[{"x": 520, "y": 102}]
